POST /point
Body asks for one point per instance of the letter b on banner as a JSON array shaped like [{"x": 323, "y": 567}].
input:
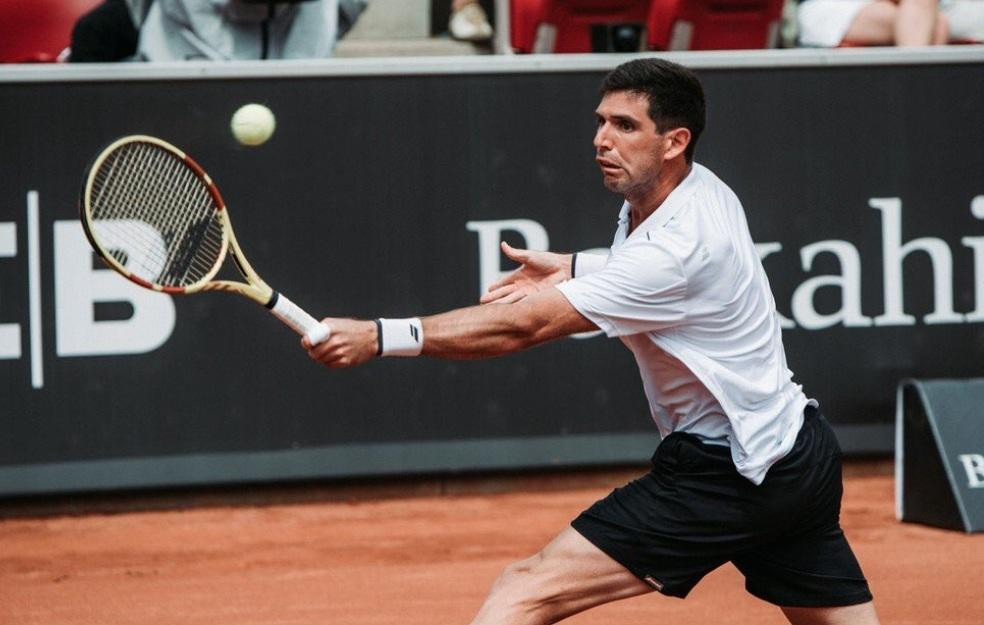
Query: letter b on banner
[
  {"x": 78, "y": 287},
  {"x": 489, "y": 235},
  {"x": 939, "y": 454}
]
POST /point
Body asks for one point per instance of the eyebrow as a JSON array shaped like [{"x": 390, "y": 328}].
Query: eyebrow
[{"x": 618, "y": 118}]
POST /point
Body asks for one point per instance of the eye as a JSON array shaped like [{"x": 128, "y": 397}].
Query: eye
[{"x": 626, "y": 125}]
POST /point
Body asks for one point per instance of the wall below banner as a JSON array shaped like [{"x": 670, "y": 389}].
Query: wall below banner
[{"x": 385, "y": 194}]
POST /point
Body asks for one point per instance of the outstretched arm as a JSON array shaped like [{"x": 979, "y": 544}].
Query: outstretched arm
[{"x": 465, "y": 333}]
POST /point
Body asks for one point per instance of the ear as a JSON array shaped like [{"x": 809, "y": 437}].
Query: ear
[{"x": 677, "y": 141}]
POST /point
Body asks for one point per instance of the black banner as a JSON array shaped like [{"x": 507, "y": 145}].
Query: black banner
[
  {"x": 939, "y": 469},
  {"x": 386, "y": 195}
]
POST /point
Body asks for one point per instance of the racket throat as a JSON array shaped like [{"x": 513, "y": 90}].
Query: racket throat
[
  {"x": 272, "y": 303},
  {"x": 246, "y": 270}
]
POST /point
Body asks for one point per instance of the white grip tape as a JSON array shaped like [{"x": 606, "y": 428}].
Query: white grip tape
[
  {"x": 401, "y": 337},
  {"x": 301, "y": 322}
]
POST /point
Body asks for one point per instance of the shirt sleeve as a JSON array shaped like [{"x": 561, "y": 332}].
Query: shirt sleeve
[
  {"x": 588, "y": 263},
  {"x": 642, "y": 288}
]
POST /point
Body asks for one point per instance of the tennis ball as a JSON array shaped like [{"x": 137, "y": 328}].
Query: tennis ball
[{"x": 252, "y": 124}]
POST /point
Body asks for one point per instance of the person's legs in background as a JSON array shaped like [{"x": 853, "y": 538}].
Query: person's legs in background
[{"x": 903, "y": 23}]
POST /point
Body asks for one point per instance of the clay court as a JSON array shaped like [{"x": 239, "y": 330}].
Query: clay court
[{"x": 414, "y": 552}]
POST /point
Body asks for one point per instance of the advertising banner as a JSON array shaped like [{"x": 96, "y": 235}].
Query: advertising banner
[{"x": 387, "y": 195}]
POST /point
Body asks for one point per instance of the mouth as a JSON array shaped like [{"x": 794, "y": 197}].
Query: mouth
[{"x": 608, "y": 167}]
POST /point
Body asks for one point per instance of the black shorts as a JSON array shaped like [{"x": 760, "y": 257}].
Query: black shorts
[{"x": 693, "y": 512}]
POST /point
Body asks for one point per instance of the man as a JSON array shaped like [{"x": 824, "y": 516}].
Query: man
[
  {"x": 748, "y": 471},
  {"x": 236, "y": 30}
]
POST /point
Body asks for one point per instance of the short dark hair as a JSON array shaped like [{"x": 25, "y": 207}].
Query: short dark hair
[{"x": 676, "y": 97}]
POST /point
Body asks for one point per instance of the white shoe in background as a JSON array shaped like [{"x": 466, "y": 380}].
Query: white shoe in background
[{"x": 469, "y": 23}]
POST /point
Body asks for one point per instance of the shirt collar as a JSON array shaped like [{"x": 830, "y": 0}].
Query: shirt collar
[{"x": 675, "y": 201}]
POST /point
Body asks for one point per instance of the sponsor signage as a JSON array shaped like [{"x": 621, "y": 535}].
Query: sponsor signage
[
  {"x": 388, "y": 195},
  {"x": 940, "y": 453}
]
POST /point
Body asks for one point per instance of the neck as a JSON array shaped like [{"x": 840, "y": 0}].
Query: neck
[{"x": 644, "y": 204}]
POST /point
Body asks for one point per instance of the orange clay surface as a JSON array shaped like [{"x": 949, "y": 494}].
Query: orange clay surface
[{"x": 406, "y": 557}]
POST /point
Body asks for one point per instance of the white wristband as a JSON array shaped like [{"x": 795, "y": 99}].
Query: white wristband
[{"x": 400, "y": 337}]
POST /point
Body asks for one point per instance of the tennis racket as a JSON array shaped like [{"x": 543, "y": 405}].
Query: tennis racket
[{"x": 155, "y": 216}]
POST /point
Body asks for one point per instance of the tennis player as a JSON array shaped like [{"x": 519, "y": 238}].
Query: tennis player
[{"x": 748, "y": 470}]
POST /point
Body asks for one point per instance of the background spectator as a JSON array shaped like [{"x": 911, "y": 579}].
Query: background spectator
[
  {"x": 177, "y": 30},
  {"x": 832, "y": 23},
  {"x": 109, "y": 32}
]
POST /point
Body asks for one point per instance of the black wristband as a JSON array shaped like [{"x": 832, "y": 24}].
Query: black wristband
[
  {"x": 573, "y": 264},
  {"x": 379, "y": 337}
]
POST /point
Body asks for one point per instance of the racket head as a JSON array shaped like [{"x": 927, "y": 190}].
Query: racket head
[{"x": 154, "y": 215}]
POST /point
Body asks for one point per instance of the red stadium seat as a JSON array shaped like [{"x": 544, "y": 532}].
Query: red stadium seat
[
  {"x": 576, "y": 25},
  {"x": 38, "y": 30},
  {"x": 714, "y": 24}
]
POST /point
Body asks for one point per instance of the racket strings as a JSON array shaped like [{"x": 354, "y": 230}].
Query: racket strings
[
  {"x": 116, "y": 226},
  {"x": 133, "y": 235},
  {"x": 186, "y": 258},
  {"x": 117, "y": 218},
  {"x": 180, "y": 254},
  {"x": 164, "y": 207},
  {"x": 155, "y": 214},
  {"x": 113, "y": 214}
]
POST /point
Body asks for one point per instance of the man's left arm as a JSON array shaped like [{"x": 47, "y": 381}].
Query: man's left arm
[{"x": 465, "y": 333}]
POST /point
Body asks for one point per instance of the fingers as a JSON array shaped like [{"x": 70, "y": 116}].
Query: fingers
[
  {"x": 497, "y": 292},
  {"x": 332, "y": 354},
  {"x": 518, "y": 255},
  {"x": 306, "y": 342},
  {"x": 346, "y": 346},
  {"x": 322, "y": 350},
  {"x": 512, "y": 298},
  {"x": 506, "y": 295},
  {"x": 504, "y": 282},
  {"x": 538, "y": 261}
]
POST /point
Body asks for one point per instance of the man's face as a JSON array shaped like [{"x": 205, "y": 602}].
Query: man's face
[{"x": 628, "y": 148}]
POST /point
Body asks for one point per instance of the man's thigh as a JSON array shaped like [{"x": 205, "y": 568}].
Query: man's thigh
[{"x": 568, "y": 576}]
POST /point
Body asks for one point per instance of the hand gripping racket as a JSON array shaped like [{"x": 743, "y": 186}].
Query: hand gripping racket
[{"x": 155, "y": 216}]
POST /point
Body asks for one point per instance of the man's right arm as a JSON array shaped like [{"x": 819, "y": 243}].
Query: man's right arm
[
  {"x": 466, "y": 333},
  {"x": 486, "y": 331}
]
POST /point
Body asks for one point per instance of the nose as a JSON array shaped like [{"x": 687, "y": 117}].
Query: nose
[{"x": 602, "y": 138}]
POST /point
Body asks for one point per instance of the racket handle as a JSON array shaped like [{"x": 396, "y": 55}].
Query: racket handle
[{"x": 299, "y": 321}]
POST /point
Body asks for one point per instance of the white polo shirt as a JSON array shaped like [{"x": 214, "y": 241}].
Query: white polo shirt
[{"x": 687, "y": 293}]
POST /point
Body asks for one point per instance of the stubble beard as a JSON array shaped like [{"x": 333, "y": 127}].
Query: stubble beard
[{"x": 630, "y": 187}]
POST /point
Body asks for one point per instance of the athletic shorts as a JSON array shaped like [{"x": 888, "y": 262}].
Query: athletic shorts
[{"x": 694, "y": 512}]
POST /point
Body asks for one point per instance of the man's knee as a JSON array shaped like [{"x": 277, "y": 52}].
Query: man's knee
[
  {"x": 517, "y": 576},
  {"x": 520, "y": 589}
]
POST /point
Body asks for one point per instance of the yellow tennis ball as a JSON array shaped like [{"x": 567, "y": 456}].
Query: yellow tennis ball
[{"x": 253, "y": 124}]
